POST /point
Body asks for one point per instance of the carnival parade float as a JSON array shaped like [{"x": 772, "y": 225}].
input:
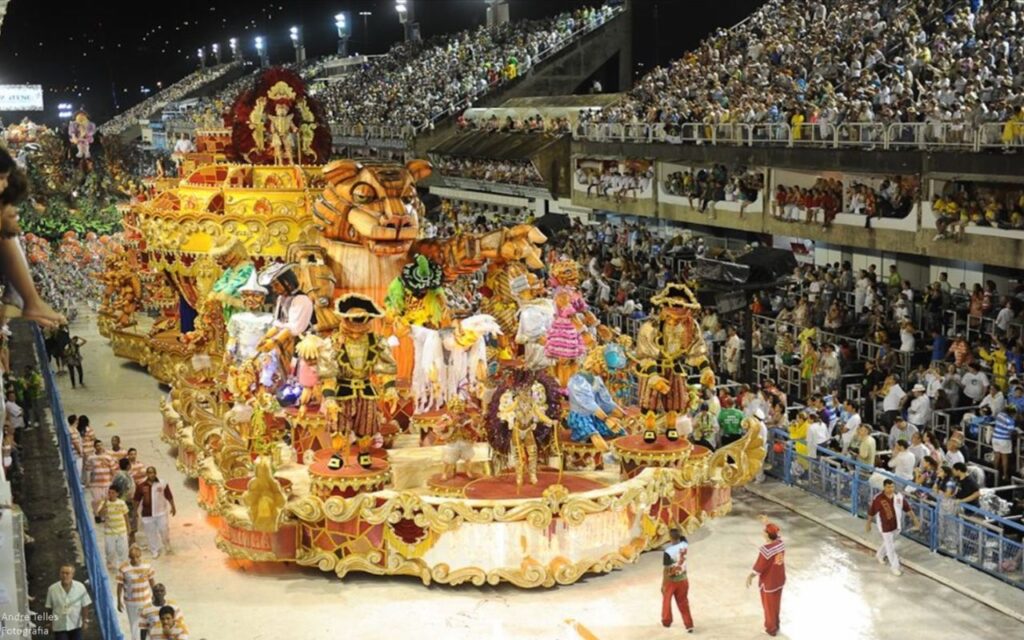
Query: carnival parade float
[{"x": 354, "y": 397}]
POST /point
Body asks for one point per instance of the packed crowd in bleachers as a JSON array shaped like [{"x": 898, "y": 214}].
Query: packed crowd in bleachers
[
  {"x": 518, "y": 172},
  {"x": 158, "y": 100},
  {"x": 814, "y": 64},
  {"x": 417, "y": 83},
  {"x": 530, "y": 124}
]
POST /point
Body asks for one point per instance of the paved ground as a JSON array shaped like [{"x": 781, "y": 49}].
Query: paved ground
[
  {"x": 44, "y": 501},
  {"x": 835, "y": 586}
]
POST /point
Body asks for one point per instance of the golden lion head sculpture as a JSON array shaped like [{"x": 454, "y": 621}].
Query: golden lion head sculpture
[{"x": 371, "y": 204}]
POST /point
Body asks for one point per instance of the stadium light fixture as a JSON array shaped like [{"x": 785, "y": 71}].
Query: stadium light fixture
[
  {"x": 295, "y": 33},
  {"x": 261, "y": 51},
  {"x": 344, "y": 31}
]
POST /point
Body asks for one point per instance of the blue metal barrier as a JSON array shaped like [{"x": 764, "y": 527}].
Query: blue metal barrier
[
  {"x": 103, "y": 596},
  {"x": 979, "y": 538}
]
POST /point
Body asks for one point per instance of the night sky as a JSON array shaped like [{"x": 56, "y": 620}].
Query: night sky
[{"x": 100, "y": 55}]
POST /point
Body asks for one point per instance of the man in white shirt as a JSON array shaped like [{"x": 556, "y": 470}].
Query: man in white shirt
[
  {"x": 918, "y": 448},
  {"x": 953, "y": 454},
  {"x": 892, "y": 400},
  {"x": 17, "y": 414},
  {"x": 919, "y": 413},
  {"x": 902, "y": 461},
  {"x": 68, "y": 602},
  {"x": 848, "y": 428},
  {"x": 817, "y": 434},
  {"x": 1004, "y": 318},
  {"x": 994, "y": 400},
  {"x": 974, "y": 383}
]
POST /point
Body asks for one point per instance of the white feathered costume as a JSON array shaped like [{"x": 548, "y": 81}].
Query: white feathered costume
[{"x": 449, "y": 360}]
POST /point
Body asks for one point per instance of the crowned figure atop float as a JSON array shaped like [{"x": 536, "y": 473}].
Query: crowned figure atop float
[
  {"x": 275, "y": 122},
  {"x": 669, "y": 348}
]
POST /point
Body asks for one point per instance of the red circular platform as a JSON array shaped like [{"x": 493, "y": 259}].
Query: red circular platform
[{"x": 504, "y": 486}]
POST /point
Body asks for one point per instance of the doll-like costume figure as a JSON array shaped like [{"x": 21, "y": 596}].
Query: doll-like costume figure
[
  {"x": 232, "y": 257},
  {"x": 293, "y": 312},
  {"x": 458, "y": 436},
  {"x": 522, "y": 409},
  {"x": 536, "y": 315},
  {"x": 81, "y": 131},
  {"x": 350, "y": 393},
  {"x": 593, "y": 414},
  {"x": 668, "y": 349},
  {"x": 247, "y": 328}
]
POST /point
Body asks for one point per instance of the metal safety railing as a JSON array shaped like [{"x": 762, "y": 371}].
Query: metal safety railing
[
  {"x": 102, "y": 594},
  {"x": 869, "y": 135},
  {"x": 981, "y": 539}
]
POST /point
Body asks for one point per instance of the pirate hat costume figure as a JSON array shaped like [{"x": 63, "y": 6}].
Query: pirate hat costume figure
[
  {"x": 669, "y": 348},
  {"x": 362, "y": 370}
]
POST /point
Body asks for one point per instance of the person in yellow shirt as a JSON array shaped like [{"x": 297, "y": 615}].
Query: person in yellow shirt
[
  {"x": 114, "y": 512},
  {"x": 797, "y": 124},
  {"x": 798, "y": 432}
]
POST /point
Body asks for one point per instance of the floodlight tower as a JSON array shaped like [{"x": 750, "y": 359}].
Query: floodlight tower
[
  {"x": 261, "y": 51},
  {"x": 407, "y": 16},
  {"x": 295, "y": 33},
  {"x": 341, "y": 23}
]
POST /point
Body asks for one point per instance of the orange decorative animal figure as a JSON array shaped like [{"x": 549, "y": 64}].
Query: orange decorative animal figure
[{"x": 368, "y": 217}]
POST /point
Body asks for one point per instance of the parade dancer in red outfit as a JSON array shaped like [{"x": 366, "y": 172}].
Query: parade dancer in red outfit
[
  {"x": 770, "y": 569},
  {"x": 674, "y": 583}
]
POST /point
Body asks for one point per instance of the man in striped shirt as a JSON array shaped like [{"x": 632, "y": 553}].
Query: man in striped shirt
[
  {"x": 167, "y": 628},
  {"x": 99, "y": 469},
  {"x": 1003, "y": 434},
  {"x": 150, "y": 613},
  {"x": 138, "y": 470},
  {"x": 134, "y": 589},
  {"x": 115, "y": 529}
]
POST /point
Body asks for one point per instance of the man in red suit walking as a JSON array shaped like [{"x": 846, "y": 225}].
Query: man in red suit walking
[
  {"x": 674, "y": 583},
  {"x": 770, "y": 569}
]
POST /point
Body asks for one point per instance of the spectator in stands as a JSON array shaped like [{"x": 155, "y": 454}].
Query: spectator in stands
[
  {"x": 866, "y": 446},
  {"x": 730, "y": 421},
  {"x": 902, "y": 461},
  {"x": 967, "y": 489},
  {"x": 953, "y": 455},
  {"x": 817, "y": 433},
  {"x": 1003, "y": 436},
  {"x": 919, "y": 412},
  {"x": 974, "y": 384},
  {"x": 994, "y": 401},
  {"x": 918, "y": 448},
  {"x": 901, "y": 430}
]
